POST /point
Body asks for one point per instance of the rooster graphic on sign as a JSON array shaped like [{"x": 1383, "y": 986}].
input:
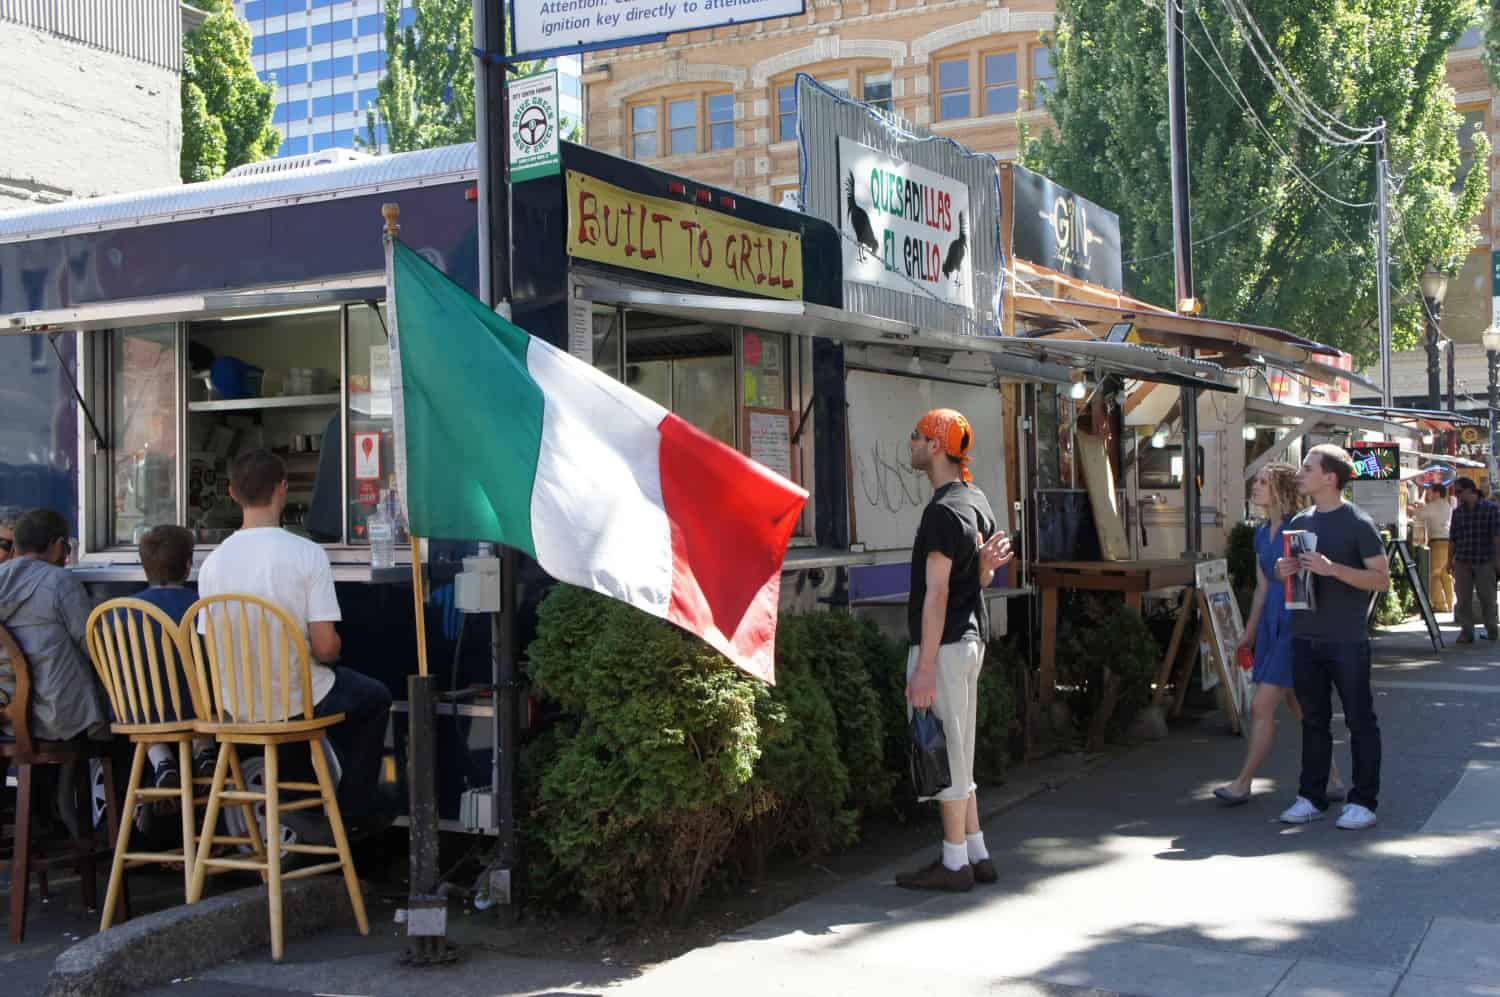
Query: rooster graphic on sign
[{"x": 864, "y": 232}]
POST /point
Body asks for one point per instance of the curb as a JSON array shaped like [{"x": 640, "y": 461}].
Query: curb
[{"x": 158, "y": 948}]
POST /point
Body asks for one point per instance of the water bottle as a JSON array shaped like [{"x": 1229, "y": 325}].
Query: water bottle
[{"x": 382, "y": 532}]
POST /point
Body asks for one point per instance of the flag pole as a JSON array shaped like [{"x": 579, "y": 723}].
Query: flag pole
[{"x": 427, "y": 909}]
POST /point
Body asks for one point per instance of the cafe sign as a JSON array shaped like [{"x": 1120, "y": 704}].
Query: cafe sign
[
  {"x": 903, "y": 227},
  {"x": 608, "y": 224}
]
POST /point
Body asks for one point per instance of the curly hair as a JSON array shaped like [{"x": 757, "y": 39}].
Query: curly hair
[{"x": 1286, "y": 499}]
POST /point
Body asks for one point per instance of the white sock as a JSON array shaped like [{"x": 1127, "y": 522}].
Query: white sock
[
  {"x": 159, "y": 753},
  {"x": 202, "y": 744},
  {"x": 977, "y": 851},
  {"x": 955, "y": 857}
]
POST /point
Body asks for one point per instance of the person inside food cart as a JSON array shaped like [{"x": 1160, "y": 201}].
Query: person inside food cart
[
  {"x": 46, "y": 611},
  {"x": 264, "y": 560}
]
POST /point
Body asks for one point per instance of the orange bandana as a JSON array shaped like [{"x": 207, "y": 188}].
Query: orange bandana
[{"x": 952, "y": 432}]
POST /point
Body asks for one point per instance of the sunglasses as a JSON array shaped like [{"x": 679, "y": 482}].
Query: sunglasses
[
  {"x": 916, "y": 434},
  {"x": 7, "y": 545}
]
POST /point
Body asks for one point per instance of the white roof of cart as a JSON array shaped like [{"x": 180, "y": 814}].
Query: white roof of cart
[{"x": 245, "y": 192}]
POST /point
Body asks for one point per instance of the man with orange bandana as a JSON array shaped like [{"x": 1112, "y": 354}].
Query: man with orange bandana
[{"x": 953, "y": 560}]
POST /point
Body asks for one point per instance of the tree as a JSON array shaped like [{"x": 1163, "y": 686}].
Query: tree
[
  {"x": 226, "y": 109},
  {"x": 427, "y": 96},
  {"x": 1274, "y": 250}
]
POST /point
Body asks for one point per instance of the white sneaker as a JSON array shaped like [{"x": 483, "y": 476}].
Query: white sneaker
[
  {"x": 1302, "y": 812},
  {"x": 1356, "y": 818}
]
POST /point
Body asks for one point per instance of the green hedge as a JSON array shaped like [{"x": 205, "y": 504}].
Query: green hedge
[{"x": 672, "y": 769}]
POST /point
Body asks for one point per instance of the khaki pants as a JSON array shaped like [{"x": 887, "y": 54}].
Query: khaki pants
[
  {"x": 1440, "y": 585},
  {"x": 956, "y": 706},
  {"x": 1475, "y": 584}
]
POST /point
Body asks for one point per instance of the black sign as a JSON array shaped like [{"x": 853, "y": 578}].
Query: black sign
[
  {"x": 1057, "y": 229},
  {"x": 1376, "y": 461}
]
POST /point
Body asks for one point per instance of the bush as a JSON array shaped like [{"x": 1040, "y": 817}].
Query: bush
[
  {"x": 1097, "y": 630},
  {"x": 639, "y": 801},
  {"x": 1396, "y": 603},
  {"x": 1240, "y": 553},
  {"x": 996, "y": 716}
]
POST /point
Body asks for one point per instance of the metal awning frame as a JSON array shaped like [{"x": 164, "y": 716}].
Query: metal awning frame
[
  {"x": 196, "y": 307},
  {"x": 1309, "y": 418},
  {"x": 1053, "y": 361}
]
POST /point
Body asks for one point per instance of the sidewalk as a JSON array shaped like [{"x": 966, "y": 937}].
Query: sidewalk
[{"x": 1129, "y": 879}]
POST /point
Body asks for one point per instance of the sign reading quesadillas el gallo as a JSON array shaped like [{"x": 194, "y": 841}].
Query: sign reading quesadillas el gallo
[
  {"x": 903, "y": 227},
  {"x": 550, "y": 27}
]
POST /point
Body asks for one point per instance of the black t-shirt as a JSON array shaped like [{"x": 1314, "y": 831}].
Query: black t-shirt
[
  {"x": 954, "y": 523},
  {"x": 1346, "y": 536}
]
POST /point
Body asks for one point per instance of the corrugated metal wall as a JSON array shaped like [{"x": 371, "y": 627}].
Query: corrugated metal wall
[
  {"x": 148, "y": 31},
  {"x": 822, "y": 117}
]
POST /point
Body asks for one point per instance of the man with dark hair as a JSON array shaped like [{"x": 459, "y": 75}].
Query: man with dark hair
[
  {"x": 954, "y": 558},
  {"x": 1330, "y": 645},
  {"x": 46, "y": 610},
  {"x": 262, "y": 559},
  {"x": 1475, "y": 534}
]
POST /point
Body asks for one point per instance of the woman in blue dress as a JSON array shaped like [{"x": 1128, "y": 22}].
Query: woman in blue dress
[{"x": 1268, "y": 632}]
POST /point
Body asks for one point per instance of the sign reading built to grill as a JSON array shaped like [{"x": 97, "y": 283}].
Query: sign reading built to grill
[
  {"x": 609, "y": 224},
  {"x": 903, "y": 227},
  {"x": 1056, "y": 228}
]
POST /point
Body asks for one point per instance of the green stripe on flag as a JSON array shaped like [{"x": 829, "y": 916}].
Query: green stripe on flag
[{"x": 473, "y": 413}]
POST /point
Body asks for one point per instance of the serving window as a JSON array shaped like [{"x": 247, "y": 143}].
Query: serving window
[{"x": 177, "y": 402}]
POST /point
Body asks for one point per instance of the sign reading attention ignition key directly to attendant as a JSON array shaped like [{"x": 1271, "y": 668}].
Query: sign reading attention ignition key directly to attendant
[{"x": 549, "y": 27}]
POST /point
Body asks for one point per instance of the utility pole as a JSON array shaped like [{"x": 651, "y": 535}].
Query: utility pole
[
  {"x": 1182, "y": 243},
  {"x": 1383, "y": 267},
  {"x": 1452, "y": 374},
  {"x": 492, "y": 137}
]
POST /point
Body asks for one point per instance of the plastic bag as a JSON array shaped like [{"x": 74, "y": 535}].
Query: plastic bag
[{"x": 929, "y": 754}]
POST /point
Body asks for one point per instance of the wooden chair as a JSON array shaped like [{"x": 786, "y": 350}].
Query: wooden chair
[
  {"x": 26, "y": 753},
  {"x": 248, "y": 680},
  {"x": 138, "y": 652}
]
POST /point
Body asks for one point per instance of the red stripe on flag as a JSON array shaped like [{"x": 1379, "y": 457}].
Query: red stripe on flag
[{"x": 731, "y": 520}]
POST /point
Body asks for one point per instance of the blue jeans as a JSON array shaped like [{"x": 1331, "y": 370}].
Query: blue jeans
[
  {"x": 1318, "y": 667},
  {"x": 359, "y": 740}
]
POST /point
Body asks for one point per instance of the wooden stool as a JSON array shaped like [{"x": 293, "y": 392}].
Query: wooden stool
[
  {"x": 247, "y": 657},
  {"x": 138, "y": 652},
  {"x": 26, "y": 753}
]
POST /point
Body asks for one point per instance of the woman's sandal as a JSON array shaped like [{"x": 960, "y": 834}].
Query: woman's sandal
[{"x": 1227, "y": 796}]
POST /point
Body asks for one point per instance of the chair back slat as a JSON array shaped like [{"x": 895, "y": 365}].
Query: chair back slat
[
  {"x": 255, "y": 651},
  {"x": 15, "y": 715},
  {"x": 136, "y": 649}
]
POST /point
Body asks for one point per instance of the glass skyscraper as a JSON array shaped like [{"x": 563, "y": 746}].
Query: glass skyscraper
[{"x": 327, "y": 58}]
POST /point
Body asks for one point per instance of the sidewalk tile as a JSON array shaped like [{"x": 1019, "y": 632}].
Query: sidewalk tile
[
  {"x": 1313, "y": 978},
  {"x": 1460, "y": 950}
]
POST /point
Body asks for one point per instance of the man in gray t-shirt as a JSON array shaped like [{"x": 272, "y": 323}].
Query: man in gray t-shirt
[{"x": 1330, "y": 645}]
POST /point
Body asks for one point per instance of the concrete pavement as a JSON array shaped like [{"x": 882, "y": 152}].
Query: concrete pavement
[{"x": 1130, "y": 880}]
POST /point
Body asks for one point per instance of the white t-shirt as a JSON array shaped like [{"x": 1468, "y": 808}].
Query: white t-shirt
[
  {"x": 1436, "y": 516},
  {"x": 284, "y": 569}
]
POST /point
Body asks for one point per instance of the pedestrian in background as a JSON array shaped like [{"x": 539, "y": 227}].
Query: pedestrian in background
[
  {"x": 1435, "y": 514},
  {"x": 1475, "y": 534},
  {"x": 953, "y": 560},
  {"x": 7, "y": 534},
  {"x": 1330, "y": 644},
  {"x": 1268, "y": 632}
]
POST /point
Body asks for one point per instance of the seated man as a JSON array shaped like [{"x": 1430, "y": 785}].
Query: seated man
[
  {"x": 262, "y": 559},
  {"x": 46, "y": 610}
]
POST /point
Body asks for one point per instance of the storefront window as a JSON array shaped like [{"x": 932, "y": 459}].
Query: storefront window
[
  {"x": 688, "y": 370},
  {"x": 953, "y": 89},
  {"x": 1001, "y": 91},
  {"x": 371, "y": 461},
  {"x": 765, "y": 367},
  {"x": 143, "y": 431}
]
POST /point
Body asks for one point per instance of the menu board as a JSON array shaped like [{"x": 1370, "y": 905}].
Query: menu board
[{"x": 768, "y": 439}]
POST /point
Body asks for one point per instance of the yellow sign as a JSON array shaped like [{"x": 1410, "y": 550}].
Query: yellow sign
[{"x": 608, "y": 224}]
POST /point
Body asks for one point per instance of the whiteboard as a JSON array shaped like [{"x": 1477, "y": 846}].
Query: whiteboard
[{"x": 886, "y": 495}]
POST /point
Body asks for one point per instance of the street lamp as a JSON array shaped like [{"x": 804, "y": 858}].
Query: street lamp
[
  {"x": 1492, "y": 357},
  {"x": 1434, "y": 289}
]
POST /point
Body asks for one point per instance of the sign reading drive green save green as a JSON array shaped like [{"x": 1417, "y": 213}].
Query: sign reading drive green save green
[{"x": 534, "y": 126}]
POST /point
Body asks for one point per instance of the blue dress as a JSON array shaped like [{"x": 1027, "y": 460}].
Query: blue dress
[{"x": 1273, "y": 637}]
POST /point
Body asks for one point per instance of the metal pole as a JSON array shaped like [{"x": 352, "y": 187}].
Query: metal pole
[
  {"x": 1430, "y": 343},
  {"x": 1182, "y": 244},
  {"x": 1492, "y": 360},
  {"x": 1452, "y": 375},
  {"x": 1383, "y": 268}
]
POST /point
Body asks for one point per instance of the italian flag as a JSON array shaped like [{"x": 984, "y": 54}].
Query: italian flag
[{"x": 507, "y": 438}]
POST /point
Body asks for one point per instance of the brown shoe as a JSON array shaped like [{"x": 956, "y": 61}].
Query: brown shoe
[
  {"x": 984, "y": 871},
  {"x": 937, "y": 876}
]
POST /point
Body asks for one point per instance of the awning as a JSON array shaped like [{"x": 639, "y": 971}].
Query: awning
[
  {"x": 210, "y": 305},
  {"x": 1038, "y": 359},
  {"x": 1307, "y": 418}
]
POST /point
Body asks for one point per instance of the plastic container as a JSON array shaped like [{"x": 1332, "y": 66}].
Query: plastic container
[{"x": 381, "y": 528}]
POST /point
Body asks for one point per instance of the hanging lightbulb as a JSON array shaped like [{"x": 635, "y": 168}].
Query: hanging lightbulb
[
  {"x": 1077, "y": 391},
  {"x": 1249, "y": 433},
  {"x": 1159, "y": 439},
  {"x": 1427, "y": 439}
]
